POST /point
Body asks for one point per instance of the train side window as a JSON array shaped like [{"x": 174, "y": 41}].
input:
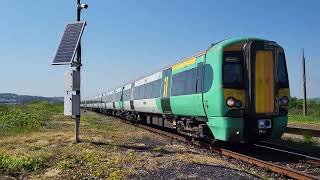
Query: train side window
[
  {"x": 208, "y": 78},
  {"x": 128, "y": 94},
  {"x": 190, "y": 87},
  {"x": 125, "y": 95},
  {"x": 199, "y": 81},
  {"x": 148, "y": 90},
  {"x": 136, "y": 92},
  {"x": 142, "y": 91},
  {"x": 178, "y": 83},
  {"x": 156, "y": 85}
]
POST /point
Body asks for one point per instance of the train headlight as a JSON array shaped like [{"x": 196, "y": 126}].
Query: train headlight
[
  {"x": 233, "y": 102},
  {"x": 284, "y": 101}
]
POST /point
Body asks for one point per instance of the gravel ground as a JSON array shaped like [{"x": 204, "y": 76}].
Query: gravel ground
[{"x": 182, "y": 170}]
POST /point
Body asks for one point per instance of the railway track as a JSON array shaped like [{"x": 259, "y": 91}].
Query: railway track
[
  {"x": 302, "y": 131},
  {"x": 247, "y": 158}
]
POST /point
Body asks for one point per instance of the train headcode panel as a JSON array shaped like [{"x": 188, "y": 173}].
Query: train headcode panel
[{"x": 69, "y": 43}]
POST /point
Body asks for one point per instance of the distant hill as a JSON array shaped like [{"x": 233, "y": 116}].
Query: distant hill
[
  {"x": 9, "y": 98},
  {"x": 315, "y": 99}
]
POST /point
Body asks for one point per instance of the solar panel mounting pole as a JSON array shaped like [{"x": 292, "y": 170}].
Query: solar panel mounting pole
[
  {"x": 68, "y": 49},
  {"x": 78, "y": 68}
]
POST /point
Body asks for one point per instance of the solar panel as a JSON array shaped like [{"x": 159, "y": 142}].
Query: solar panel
[{"x": 69, "y": 43}]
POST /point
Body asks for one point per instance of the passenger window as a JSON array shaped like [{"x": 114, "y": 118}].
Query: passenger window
[
  {"x": 208, "y": 78},
  {"x": 136, "y": 93},
  {"x": 178, "y": 83},
  {"x": 190, "y": 82},
  {"x": 156, "y": 88},
  {"x": 142, "y": 91},
  {"x": 199, "y": 83}
]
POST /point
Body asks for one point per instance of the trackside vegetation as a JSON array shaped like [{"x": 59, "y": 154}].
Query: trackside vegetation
[
  {"x": 36, "y": 141},
  {"x": 296, "y": 112},
  {"x": 18, "y": 118}
]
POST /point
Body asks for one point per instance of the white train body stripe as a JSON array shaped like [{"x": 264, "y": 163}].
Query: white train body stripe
[
  {"x": 126, "y": 105},
  {"x": 148, "y": 79},
  {"x": 109, "y": 105},
  {"x": 146, "y": 105}
]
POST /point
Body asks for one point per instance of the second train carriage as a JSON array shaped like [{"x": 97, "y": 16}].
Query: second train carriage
[{"x": 236, "y": 90}]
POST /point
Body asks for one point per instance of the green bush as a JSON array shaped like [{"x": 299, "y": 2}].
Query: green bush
[
  {"x": 296, "y": 107},
  {"x": 16, "y": 118},
  {"x": 19, "y": 163}
]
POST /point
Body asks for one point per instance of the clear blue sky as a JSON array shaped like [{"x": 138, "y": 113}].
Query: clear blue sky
[{"x": 125, "y": 39}]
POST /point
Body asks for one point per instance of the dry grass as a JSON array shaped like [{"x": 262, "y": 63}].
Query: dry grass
[{"x": 109, "y": 149}]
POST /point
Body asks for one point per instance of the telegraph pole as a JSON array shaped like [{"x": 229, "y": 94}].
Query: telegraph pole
[{"x": 305, "y": 110}]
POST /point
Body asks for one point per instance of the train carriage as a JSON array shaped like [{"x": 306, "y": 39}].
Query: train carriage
[{"x": 235, "y": 90}]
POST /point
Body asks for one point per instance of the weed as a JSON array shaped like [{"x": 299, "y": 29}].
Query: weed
[
  {"x": 18, "y": 163},
  {"x": 24, "y": 118},
  {"x": 307, "y": 139},
  {"x": 159, "y": 149}
]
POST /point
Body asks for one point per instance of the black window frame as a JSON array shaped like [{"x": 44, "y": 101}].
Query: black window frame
[
  {"x": 286, "y": 83},
  {"x": 238, "y": 85}
]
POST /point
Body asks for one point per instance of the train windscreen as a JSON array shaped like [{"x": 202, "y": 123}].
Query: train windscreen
[
  {"x": 282, "y": 74},
  {"x": 233, "y": 69}
]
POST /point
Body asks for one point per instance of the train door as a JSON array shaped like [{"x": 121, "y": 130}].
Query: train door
[
  {"x": 261, "y": 61},
  {"x": 165, "y": 91}
]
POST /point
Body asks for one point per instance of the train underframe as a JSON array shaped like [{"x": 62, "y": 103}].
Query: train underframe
[
  {"x": 188, "y": 126},
  {"x": 199, "y": 127}
]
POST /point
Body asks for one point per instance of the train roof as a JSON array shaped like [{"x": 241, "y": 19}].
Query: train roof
[{"x": 217, "y": 45}]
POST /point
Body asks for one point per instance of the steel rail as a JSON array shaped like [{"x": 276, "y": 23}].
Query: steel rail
[
  {"x": 302, "y": 131},
  {"x": 257, "y": 162},
  {"x": 277, "y": 147}
]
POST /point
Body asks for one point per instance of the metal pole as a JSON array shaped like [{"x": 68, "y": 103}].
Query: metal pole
[
  {"x": 78, "y": 68},
  {"x": 304, "y": 84}
]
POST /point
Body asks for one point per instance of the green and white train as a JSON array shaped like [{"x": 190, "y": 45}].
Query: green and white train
[{"x": 236, "y": 90}]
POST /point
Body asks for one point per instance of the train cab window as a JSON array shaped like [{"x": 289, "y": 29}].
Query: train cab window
[
  {"x": 233, "y": 69},
  {"x": 282, "y": 74}
]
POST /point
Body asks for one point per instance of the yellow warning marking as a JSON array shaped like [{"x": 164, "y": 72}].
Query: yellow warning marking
[
  {"x": 184, "y": 64},
  {"x": 165, "y": 87},
  {"x": 283, "y": 92}
]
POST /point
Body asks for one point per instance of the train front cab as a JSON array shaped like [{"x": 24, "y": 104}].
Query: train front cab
[{"x": 255, "y": 91}]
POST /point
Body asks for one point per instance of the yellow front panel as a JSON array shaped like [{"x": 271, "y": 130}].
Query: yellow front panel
[
  {"x": 236, "y": 93},
  {"x": 264, "y": 82},
  {"x": 283, "y": 92}
]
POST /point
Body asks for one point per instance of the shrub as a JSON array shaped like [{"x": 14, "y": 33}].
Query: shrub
[
  {"x": 16, "y": 118},
  {"x": 19, "y": 163}
]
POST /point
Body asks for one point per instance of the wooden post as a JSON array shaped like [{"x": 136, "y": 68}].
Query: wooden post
[{"x": 305, "y": 111}]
